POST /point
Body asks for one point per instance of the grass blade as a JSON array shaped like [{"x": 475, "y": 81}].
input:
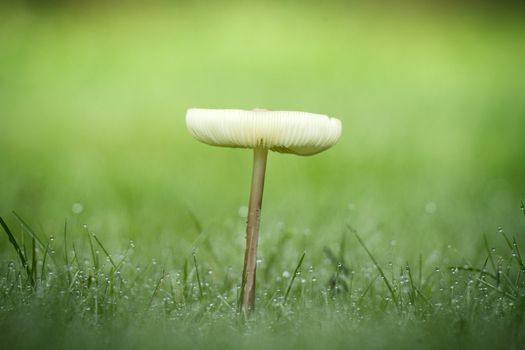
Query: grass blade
[
  {"x": 514, "y": 250},
  {"x": 29, "y": 230},
  {"x": 21, "y": 255},
  {"x": 201, "y": 294},
  {"x": 489, "y": 252},
  {"x": 517, "y": 253},
  {"x": 105, "y": 251},
  {"x": 420, "y": 276},
  {"x": 44, "y": 258},
  {"x": 381, "y": 272},
  {"x": 365, "y": 291},
  {"x": 33, "y": 260},
  {"x": 412, "y": 284},
  {"x": 156, "y": 290},
  {"x": 66, "y": 260},
  {"x": 93, "y": 254},
  {"x": 508, "y": 295},
  {"x": 185, "y": 277},
  {"x": 482, "y": 271},
  {"x": 292, "y": 279}
]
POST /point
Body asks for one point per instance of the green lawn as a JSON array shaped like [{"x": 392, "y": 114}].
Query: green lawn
[{"x": 431, "y": 161}]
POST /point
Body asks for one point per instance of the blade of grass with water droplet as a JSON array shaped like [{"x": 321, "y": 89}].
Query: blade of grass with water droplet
[
  {"x": 14, "y": 243},
  {"x": 201, "y": 294},
  {"x": 475, "y": 269},
  {"x": 66, "y": 260},
  {"x": 365, "y": 291},
  {"x": 156, "y": 289},
  {"x": 508, "y": 295},
  {"x": 489, "y": 252},
  {"x": 517, "y": 253},
  {"x": 292, "y": 279},
  {"x": 33, "y": 260},
  {"x": 185, "y": 277},
  {"x": 420, "y": 272},
  {"x": 514, "y": 250},
  {"x": 387, "y": 283},
  {"x": 44, "y": 259},
  {"x": 412, "y": 285},
  {"x": 105, "y": 251},
  {"x": 93, "y": 255}
]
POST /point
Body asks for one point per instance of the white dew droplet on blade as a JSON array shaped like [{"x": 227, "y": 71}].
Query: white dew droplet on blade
[
  {"x": 286, "y": 274},
  {"x": 77, "y": 208}
]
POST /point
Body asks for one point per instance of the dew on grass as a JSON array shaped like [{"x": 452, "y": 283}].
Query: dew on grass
[{"x": 286, "y": 274}]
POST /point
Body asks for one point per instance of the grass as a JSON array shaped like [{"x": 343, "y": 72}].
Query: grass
[
  {"x": 170, "y": 305},
  {"x": 130, "y": 233}
]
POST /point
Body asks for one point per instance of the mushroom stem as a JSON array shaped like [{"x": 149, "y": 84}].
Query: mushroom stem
[{"x": 260, "y": 155}]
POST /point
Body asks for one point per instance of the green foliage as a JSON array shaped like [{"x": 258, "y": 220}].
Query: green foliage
[{"x": 156, "y": 303}]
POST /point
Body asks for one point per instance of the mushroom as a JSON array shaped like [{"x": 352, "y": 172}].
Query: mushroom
[{"x": 298, "y": 133}]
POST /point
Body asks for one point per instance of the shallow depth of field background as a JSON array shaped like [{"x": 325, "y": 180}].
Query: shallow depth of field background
[{"x": 432, "y": 100}]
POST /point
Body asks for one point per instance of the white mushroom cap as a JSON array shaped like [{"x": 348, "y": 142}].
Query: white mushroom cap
[{"x": 281, "y": 131}]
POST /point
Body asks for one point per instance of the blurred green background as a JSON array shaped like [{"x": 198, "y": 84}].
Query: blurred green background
[{"x": 432, "y": 100}]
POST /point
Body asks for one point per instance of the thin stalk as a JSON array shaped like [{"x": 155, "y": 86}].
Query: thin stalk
[{"x": 260, "y": 156}]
